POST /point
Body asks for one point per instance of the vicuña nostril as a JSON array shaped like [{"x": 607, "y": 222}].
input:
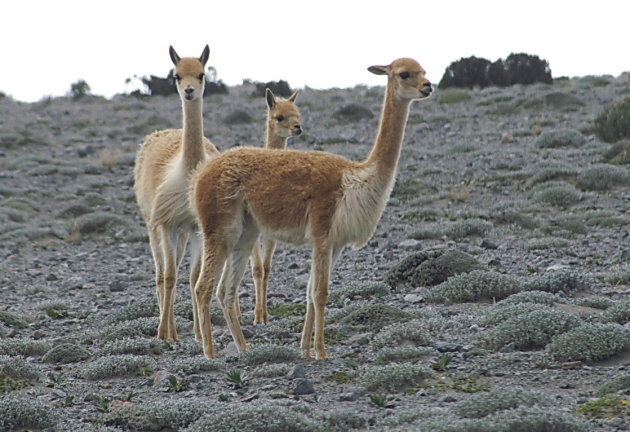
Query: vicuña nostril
[
  {"x": 189, "y": 91},
  {"x": 298, "y": 130}
]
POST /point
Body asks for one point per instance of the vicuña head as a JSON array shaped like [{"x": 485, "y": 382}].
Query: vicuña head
[
  {"x": 298, "y": 197},
  {"x": 189, "y": 74}
]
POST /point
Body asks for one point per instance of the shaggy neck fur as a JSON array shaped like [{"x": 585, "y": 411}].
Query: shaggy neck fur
[
  {"x": 192, "y": 134},
  {"x": 272, "y": 140}
]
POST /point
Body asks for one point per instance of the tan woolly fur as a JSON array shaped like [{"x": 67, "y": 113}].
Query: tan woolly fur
[
  {"x": 297, "y": 197},
  {"x": 283, "y": 122},
  {"x": 163, "y": 168}
]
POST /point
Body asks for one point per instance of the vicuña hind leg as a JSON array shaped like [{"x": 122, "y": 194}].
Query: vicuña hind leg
[
  {"x": 211, "y": 268},
  {"x": 262, "y": 254},
  {"x": 195, "y": 268}
]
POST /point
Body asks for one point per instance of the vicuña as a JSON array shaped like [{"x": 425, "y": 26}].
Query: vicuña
[{"x": 297, "y": 197}]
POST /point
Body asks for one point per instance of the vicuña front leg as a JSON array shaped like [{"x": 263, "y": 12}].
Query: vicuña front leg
[
  {"x": 166, "y": 329},
  {"x": 316, "y": 305},
  {"x": 261, "y": 267}
]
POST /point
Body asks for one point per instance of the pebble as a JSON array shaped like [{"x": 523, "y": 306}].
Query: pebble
[
  {"x": 297, "y": 371},
  {"x": 303, "y": 387}
]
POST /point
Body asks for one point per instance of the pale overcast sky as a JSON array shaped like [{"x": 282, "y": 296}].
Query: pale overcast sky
[{"x": 48, "y": 45}]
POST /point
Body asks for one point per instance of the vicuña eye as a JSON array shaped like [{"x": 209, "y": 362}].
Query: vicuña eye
[
  {"x": 404, "y": 75},
  {"x": 178, "y": 78},
  {"x": 201, "y": 77},
  {"x": 280, "y": 118}
]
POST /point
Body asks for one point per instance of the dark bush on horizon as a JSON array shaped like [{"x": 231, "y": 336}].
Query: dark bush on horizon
[
  {"x": 279, "y": 88},
  {"x": 478, "y": 72},
  {"x": 613, "y": 123},
  {"x": 166, "y": 86}
]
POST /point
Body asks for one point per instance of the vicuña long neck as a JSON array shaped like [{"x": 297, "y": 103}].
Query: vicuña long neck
[
  {"x": 386, "y": 151},
  {"x": 274, "y": 141},
  {"x": 192, "y": 135}
]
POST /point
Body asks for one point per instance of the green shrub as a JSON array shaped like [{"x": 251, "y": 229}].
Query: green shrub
[
  {"x": 500, "y": 399},
  {"x": 66, "y": 353},
  {"x": 394, "y": 377},
  {"x": 606, "y": 407},
  {"x": 429, "y": 268},
  {"x": 540, "y": 297},
  {"x": 559, "y": 194},
  {"x": 116, "y": 366},
  {"x": 20, "y": 413},
  {"x": 160, "y": 415},
  {"x": 547, "y": 243},
  {"x": 467, "y": 228},
  {"x": 619, "y": 312},
  {"x": 130, "y": 329},
  {"x": 536, "y": 419},
  {"x": 565, "y": 281},
  {"x": 617, "y": 384},
  {"x": 595, "y": 302},
  {"x": 144, "y": 308},
  {"x": 133, "y": 345},
  {"x": 590, "y": 342},
  {"x": 238, "y": 117},
  {"x": 23, "y": 347},
  {"x": 18, "y": 368},
  {"x": 478, "y": 285},
  {"x": 502, "y": 312},
  {"x": 365, "y": 290},
  {"x": 195, "y": 365},
  {"x": 530, "y": 330},
  {"x": 353, "y": 113},
  {"x": 613, "y": 123},
  {"x": 560, "y": 138},
  {"x": 405, "y": 354},
  {"x": 255, "y": 417},
  {"x": 603, "y": 177},
  {"x": 345, "y": 420},
  {"x": 618, "y": 153},
  {"x": 371, "y": 316},
  {"x": 410, "y": 333},
  {"x": 13, "y": 320},
  {"x": 453, "y": 97},
  {"x": 269, "y": 353}
]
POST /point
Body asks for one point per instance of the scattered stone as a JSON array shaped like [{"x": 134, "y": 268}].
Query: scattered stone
[
  {"x": 303, "y": 387},
  {"x": 297, "y": 371}
]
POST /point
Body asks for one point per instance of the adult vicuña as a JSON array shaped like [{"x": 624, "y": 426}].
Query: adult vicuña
[
  {"x": 297, "y": 197},
  {"x": 164, "y": 165},
  {"x": 283, "y": 122}
]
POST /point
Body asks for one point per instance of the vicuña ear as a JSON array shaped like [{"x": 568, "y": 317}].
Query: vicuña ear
[
  {"x": 293, "y": 97},
  {"x": 204, "y": 55},
  {"x": 271, "y": 99},
  {"x": 379, "y": 70},
  {"x": 174, "y": 56}
]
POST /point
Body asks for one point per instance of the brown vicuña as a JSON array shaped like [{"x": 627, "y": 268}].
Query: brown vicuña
[
  {"x": 283, "y": 122},
  {"x": 296, "y": 197},
  {"x": 164, "y": 165}
]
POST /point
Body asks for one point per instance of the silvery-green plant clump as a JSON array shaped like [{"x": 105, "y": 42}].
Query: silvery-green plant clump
[
  {"x": 478, "y": 285},
  {"x": 18, "y": 368},
  {"x": 500, "y": 399},
  {"x": 564, "y": 281},
  {"x": 344, "y": 420},
  {"x": 603, "y": 177},
  {"x": 548, "y": 243},
  {"x": 161, "y": 414},
  {"x": 66, "y": 353},
  {"x": 23, "y": 347},
  {"x": 409, "y": 333},
  {"x": 619, "y": 312},
  {"x": 136, "y": 309},
  {"x": 597, "y": 302},
  {"x": 590, "y": 342},
  {"x": 12, "y": 320},
  {"x": 369, "y": 290},
  {"x": 502, "y": 312},
  {"x": 537, "y": 419},
  {"x": 269, "y": 353},
  {"x": 618, "y": 384},
  {"x": 404, "y": 354},
  {"x": 540, "y": 297},
  {"x": 257, "y": 416},
  {"x": 117, "y": 366},
  {"x": 371, "y": 316},
  {"x": 530, "y": 330},
  {"x": 133, "y": 345},
  {"x": 22, "y": 413},
  {"x": 558, "y": 194},
  {"x": 194, "y": 365},
  {"x": 560, "y": 138},
  {"x": 394, "y": 377}
]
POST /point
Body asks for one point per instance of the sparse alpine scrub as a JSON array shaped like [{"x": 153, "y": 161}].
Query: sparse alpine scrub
[
  {"x": 478, "y": 285},
  {"x": 589, "y": 343}
]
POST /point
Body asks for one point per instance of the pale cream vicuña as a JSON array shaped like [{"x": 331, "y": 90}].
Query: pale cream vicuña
[{"x": 163, "y": 168}]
